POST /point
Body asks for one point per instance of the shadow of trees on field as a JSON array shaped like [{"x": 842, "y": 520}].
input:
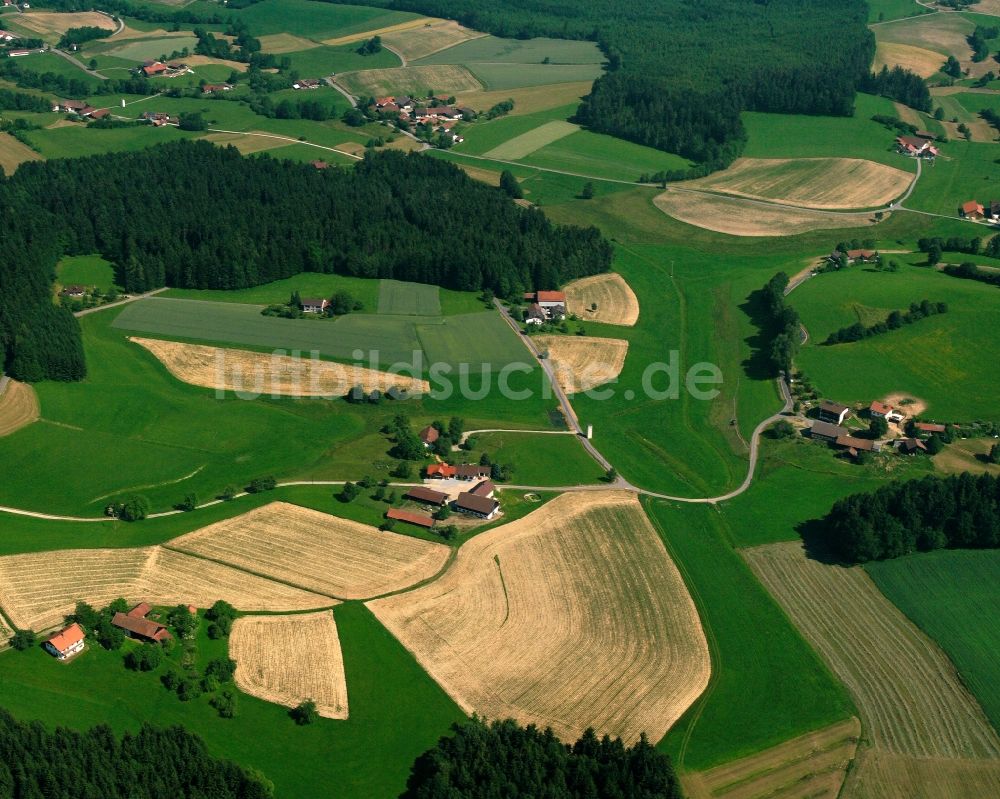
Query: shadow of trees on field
[{"x": 759, "y": 365}]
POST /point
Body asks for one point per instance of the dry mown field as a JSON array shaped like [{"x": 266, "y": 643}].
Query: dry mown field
[
  {"x": 910, "y": 697},
  {"x": 246, "y": 144},
  {"x": 13, "y": 153},
  {"x": 877, "y": 775},
  {"x": 446, "y": 79},
  {"x": 571, "y": 617},
  {"x": 916, "y": 59},
  {"x": 47, "y": 22},
  {"x": 205, "y": 60},
  {"x": 37, "y": 590},
  {"x": 749, "y": 218},
  {"x": 529, "y": 99},
  {"x": 616, "y": 302},
  {"x": 261, "y": 373},
  {"x": 389, "y": 30},
  {"x": 18, "y": 407},
  {"x": 279, "y": 43},
  {"x": 432, "y": 36},
  {"x": 319, "y": 552},
  {"x": 288, "y": 659},
  {"x": 583, "y": 362},
  {"x": 823, "y": 183},
  {"x": 812, "y": 766}
]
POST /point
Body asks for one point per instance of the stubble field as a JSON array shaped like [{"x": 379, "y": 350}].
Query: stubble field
[
  {"x": 18, "y": 407},
  {"x": 571, "y": 617},
  {"x": 410, "y": 80},
  {"x": 583, "y": 362},
  {"x": 49, "y": 24},
  {"x": 13, "y": 153},
  {"x": 289, "y": 659},
  {"x": 432, "y": 36},
  {"x": 616, "y": 302},
  {"x": 336, "y": 557}
]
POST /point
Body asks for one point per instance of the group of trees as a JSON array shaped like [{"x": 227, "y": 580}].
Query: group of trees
[
  {"x": 482, "y": 761},
  {"x": 407, "y": 445},
  {"x": 779, "y": 325},
  {"x": 151, "y": 763},
  {"x": 20, "y": 101},
  {"x": 341, "y": 303},
  {"x": 919, "y": 515},
  {"x": 448, "y": 435},
  {"x": 970, "y": 271},
  {"x": 894, "y": 321},
  {"x": 370, "y": 46},
  {"x": 78, "y": 36},
  {"x": 978, "y": 41},
  {"x": 393, "y": 215},
  {"x": 12, "y": 69},
  {"x": 899, "y": 84},
  {"x": 678, "y": 75}
]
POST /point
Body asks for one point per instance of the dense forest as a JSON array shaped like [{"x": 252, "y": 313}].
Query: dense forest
[
  {"x": 193, "y": 215},
  {"x": 919, "y": 515},
  {"x": 679, "y": 72},
  {"x": 502, "y": 759},
  {"x": 36, "y": 763}
]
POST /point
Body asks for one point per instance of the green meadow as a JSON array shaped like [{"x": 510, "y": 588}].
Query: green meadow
[
  {"x": 76, "y": 141},
  {"x": 50, "y": 62},
  {"x": 321, "y": 61},
  {"x": 316, "y": 21},
  {"x": 953, "y": 597},
  {"x": 556, "y": 460},
  {"x": 86, "y": 270},
  {"x": 483, "y": 136},
  {"x": 152, "y": 49},
  {"x": 396, "y": 711},
  {"x": 970, "y": 172},
  {"x": 767, "y": 685},
  {"x": 931, "y": 359},
  {"x": 413, "y": 299},
  {"x": 885, "y": 10},
  {"x": 604, "y": 156},
  {"x": 496, "y": 77},
  {"x": 496, "y": 50}
]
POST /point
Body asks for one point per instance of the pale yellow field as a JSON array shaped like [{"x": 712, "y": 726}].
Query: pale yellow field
[
  {"x": 583, "y": 362},
  {"x": 202, "y": 60},
  {"x": 245, "y": 144},
  {"x": 334, "y": 556},
  {"x": 909, "y": 115},
  {"x": 389, "y": 30},
  {"x": 812, "y": 766},
  {"x": 487, "y": 176},
  {"x": 257, "y": 372},
  {"x": 966, "y": 456},
  {"x": 47, "y": 22},
  {"x": 14, "y": 153},
  {"x": 527, "y": 100},
  {"x": 916, "y": 59},
  {"x": 278, "y": 43},
  {"x": 616, "y": 302},
  {"x": 571, "y": 617},
  {"x": 748, "y": 218},
  {"x": 288, "y": 659},
  {"x": 877, "y": 775},
  {"x": 37, "y": 590},
  {"x": 910, "y": 697},
  {"x": 430, "y": 37},
  {"x": 18, "y": 407},
  {"x": 413, "y": 80},
  {"x": 823, "y": 183},
  {"x": 132, "y": 33}
]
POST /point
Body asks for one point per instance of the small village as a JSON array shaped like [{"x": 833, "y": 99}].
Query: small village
[{"x": 437, "y": 114}]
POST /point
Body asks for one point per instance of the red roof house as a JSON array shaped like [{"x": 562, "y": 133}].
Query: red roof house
[
  {"x": 971, "y": 210},
  {"x": 927, "y": 427},
  {"x": 138, "y": 627},
  {"x": 66, "y": 643},
  {"x": 441, "y": 471},
  {"x": 879, "y": 409},
  {"x": 429, "y": 435}
]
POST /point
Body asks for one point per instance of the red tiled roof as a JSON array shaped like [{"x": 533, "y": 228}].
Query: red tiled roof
[
  {"x": 411, "y": 518},
  {"x": 430, "y": 434},
  {"x": 441, "y": 470},
  {"x": 972, "y": 207},
  {"x": 927, "y": 427},
  {"x": 64, "y": 639},
  {"x": 140, "y": 611},
  {"x": 550, "y": 296},
  {"x": 880, "y": 407}
]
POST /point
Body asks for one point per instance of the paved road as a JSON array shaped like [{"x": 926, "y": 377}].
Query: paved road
[
  {"x": 133, "y": 298},
  {"x": 333, "y": 84},
  {"x": 77, "y": 62}
]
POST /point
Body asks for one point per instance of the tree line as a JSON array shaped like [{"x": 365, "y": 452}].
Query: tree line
[
  {"x": 483, "y": 761},
  {"x": 899, "y": 84},
  {"x": 779, "y": 325},
  {"x": 969, "y": 271},
  {"x": 679, "y": 73},
  {"x": 13, "y": 70},
  {"x": 393, "y": 215},
  {"x": 916, "y": 516},
  {"x": 38, "y": 762},
  {"x": 894, "y": 321}
]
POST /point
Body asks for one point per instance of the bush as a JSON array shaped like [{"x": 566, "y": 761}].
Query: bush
[
  {"x": 260, "y": 484},
  {"x": 189, "y": 503},
  {"x": 188, "y": 689},
  {"x": 23, "y": 640},
  {"x": 221, "y": 669},
  {"x": 146, "y": 658},
  {"x": 781, "y": 429},
  {"x": 349, "y": 492},
  {"x": 133, "y": 509},
  {"x": 225, "y": 703},
  {"x": 304, "y": 713}
]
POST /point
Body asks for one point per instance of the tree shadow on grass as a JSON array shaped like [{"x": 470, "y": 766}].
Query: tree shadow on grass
[
  {"x": 758, "y": 366},
  {"x": 817, "y": 545}
]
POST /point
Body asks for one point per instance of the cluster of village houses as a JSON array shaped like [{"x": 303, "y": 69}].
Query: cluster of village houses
[
  {"x": 544, "y": 306},
  {"x": 136, "y": 623},
  {"x": 434, "y": 111},
  {"x": 830, "y": 427}
]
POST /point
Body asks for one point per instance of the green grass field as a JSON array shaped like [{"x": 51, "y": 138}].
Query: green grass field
[
  {"x": 482, "y": 137},
  {"x": 408, "y": 299},
  {"x": 970, "y": 172},
  {"x": 516, "y": 76},
  {"x": 316, "y": 21},
  {"x": 953, "y": 597},
  {"x": 396, "y": 712},
  {"x": 930, "y": 359},
  {"x": 603, "y": 156},
  {"x": 472, "y": 339},
  {"x": 152, "y": 49},
  {"x": 308, "y": 284},
  {"x": 78, "y": 141},
  {"x": 767, "y": 684},
  {"x": 556, "y": 460},
  {"x": 791, "y": 136},
  {"x": 322, "y": 61},
  {"x": 884, "y": 10},
  {"x": 50, "y": 62},
  {"x": 495, "y": 50},
  {"x": 86, "y": 270},
  {"x": 535, "y": 139}
]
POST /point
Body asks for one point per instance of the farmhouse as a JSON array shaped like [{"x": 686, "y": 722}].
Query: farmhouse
[
  {"x": 441, "y": 471},
  {"x": 429, "y": 435},
  {"x": 138, "y": 626},
  {"x": 484, "y": 489},
  {"x": 100, "y": 113},
  {"x": 69, "y": 106},
  {"x": 66, "y": 643},
  {"x": 473, "y": 505},
  {"x": 916, "y": 147},
  {"x": 306, "y": 83},
  {"x": 909, "y": 446},
  {"x": 153, "y": 68},
  {"x": 382, "y": 102},
  {"x": 534, "y": 315},
  {"x": 972, "y": 210},
  {"x": 833, "y": 412},
  {"x": 552, "y": 303},
  {"x": 824, "y": 431},
  {"x": 428, "y": 496},
  {"x": 213, "y": 88},
  {"x": 314, "y": 305},
  {"x": 855, "y": 445},
  {"x": 472, "y": 472},
  {"x": 880, "y": 410},
  {"x": 73, "y": 291},
  {"x": 157, "y": 118},
  {"x": 410, "y": 518}
]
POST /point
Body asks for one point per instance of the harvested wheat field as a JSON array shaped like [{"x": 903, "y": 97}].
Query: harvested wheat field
[
  {"x": 246, "y": 143},
  {"x": 288, "y": 659},
  {"x": 279, "y": 43},
  {"x": 334, "y": 556},
  {"x": 37, "y": 590},
  {"x": 910, "y": 697},
  {"x": 823, "y": 183},
  {"x": 388, "y": 30},
  {"x": 261, "y": 373},
  {"x": 916, "y": 59},
  {"x": 581, "y": 363},
  {"x": 616, "y": 302},
  {"x": 877, "y": 775},
  {"x": 432, "y": 36},
  {"x": 51, "y": 23},
  {"x": 571, "y": 617},
  {"x": 445, "y": 79},
  {"x": 749, "y": 218},
  {"x": 205, "y": 60},
  {"x": 812, "y": 766},
  {"x": 13, "y": 153},
  {"x": 18, "y": 407}
]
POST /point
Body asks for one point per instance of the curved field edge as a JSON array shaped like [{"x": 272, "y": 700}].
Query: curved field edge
[{"x": 18, "y": 407}]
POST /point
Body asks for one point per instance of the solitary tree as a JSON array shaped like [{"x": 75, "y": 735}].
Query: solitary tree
[
  {"x": 510, "y": 186},
  {"x": 304, "y": 713},
  {"x": 588, "y": 191}
]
